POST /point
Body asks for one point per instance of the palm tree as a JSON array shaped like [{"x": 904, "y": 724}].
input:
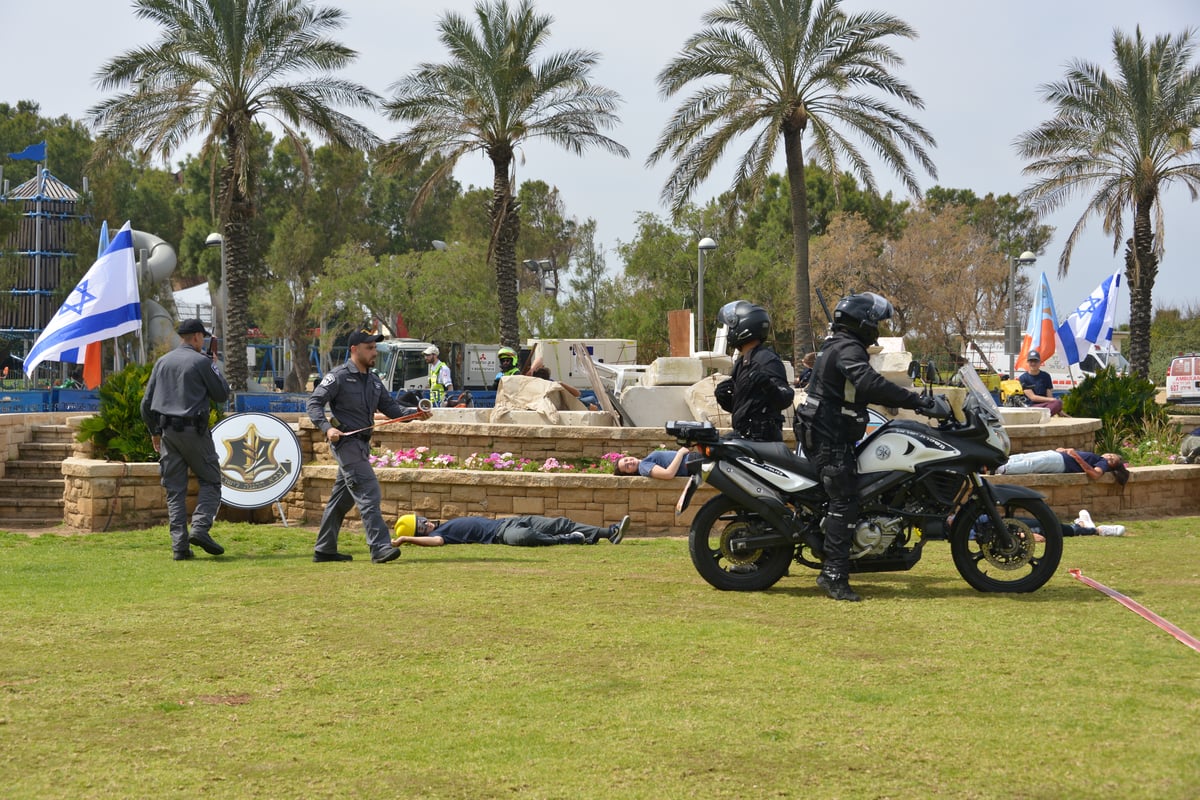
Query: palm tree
[
  {"x": 492, "y": 97},
  {"x": 781, "y": 68},
  {"x": 1127, "y": 137},
  {"x": 219, "y": 68}
]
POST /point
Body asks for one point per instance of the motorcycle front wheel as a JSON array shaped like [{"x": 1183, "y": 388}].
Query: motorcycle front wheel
[
  {"x": 1022, "y": 564},
  {"x": 717, "y": 526}
]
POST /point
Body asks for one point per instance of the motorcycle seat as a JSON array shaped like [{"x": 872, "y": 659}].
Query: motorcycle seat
[{"x": 776, "y": 453}]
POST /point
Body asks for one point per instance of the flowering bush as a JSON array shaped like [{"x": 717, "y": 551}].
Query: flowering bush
[{"x": 424, "y": 458}]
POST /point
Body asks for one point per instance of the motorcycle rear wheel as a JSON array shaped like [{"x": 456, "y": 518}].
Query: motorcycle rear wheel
[
  {"x": 1026, "y": 565},
  {"x": 716, "y": 526}
]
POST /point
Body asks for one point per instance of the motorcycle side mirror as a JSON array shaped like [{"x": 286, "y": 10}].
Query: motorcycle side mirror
[{"x": 914, "y": 369}]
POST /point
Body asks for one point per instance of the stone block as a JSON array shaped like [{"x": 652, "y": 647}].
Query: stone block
[
  {"x": 528, "y": 505},
  {"x": 673, "y": 371}
]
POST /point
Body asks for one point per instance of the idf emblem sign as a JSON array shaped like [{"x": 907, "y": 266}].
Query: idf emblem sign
[{"x": 259, "y": 456}]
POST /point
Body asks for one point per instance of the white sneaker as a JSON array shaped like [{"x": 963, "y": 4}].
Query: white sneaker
[
  {"x": 1084, "y": 520},
  {"x": 1111, "y": 530}
]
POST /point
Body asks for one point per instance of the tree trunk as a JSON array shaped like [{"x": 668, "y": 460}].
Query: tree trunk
[
  {"x": 506, "y": 227},
  {"x": 803, "y": 330},
  {"x": 297, "y": 379},
  {"x": 1141, "y": 268},
  {"x": 238, "y": 211}
]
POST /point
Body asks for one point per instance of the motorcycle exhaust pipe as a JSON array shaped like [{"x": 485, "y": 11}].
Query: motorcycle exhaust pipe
[{"x": 758, "y": 497}]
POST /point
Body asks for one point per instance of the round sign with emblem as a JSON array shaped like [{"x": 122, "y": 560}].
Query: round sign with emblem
[{"x": 259, "y": 455}]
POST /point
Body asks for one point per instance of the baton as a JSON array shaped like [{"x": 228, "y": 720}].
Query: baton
[{"x": 424, "y": 407}]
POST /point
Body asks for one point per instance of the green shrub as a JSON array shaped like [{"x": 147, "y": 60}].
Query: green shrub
[
  {"x": 117, "y": 432},
  {"x": 1124, "y": 404}
]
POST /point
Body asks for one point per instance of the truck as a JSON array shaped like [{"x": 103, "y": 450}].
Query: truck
[
  {"x": 1183, "y": 379},
  {"x": 473, "y": 366}
]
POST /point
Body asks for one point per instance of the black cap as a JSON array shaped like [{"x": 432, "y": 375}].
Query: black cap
[
  {"x": 1032, "y": 355},
  {"x": 358, "y": 337},
  {"x": 190, "y": 326}
]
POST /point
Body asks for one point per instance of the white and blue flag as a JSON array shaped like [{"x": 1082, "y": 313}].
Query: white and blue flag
[
  {"x": 103, "y": 305},
  {"x": 1091, "y": 323}
]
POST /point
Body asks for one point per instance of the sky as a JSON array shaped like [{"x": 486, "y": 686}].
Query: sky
[{"x": 977, "y": 65}]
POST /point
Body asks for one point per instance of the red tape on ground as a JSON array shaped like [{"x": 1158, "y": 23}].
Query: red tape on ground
[{"x": 1141, "y": 610}]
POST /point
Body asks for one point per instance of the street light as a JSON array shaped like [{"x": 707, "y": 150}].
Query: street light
[
  {"x": 706, "y": 244},
  {"x": 217, "y": 240},
  {"x": 547, "y": 274},
  {"x": 1012, "y": 330}
]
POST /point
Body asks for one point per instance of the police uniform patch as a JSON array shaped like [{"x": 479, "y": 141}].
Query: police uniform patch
[{"x": 328, "y": 379}]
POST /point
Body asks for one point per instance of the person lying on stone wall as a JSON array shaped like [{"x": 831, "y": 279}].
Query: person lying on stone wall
[
  {"x": 1066, "y": 459},
  {"x": 661, "y": 464},
  {"x": 523, "y": 531}
]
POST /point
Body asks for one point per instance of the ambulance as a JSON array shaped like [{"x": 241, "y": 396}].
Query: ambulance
[{"x": 1183, "y": 379}]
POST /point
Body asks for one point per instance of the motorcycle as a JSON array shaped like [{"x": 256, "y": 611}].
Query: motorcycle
[{"x": 916, "y": 482}]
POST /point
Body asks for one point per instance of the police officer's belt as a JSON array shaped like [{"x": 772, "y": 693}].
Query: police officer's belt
[{"x": 199, "y": 422}]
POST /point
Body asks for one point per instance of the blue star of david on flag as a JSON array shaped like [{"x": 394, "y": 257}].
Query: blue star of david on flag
[{"x": 84, "y": 296}]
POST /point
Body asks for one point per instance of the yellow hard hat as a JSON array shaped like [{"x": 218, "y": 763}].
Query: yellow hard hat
[{"x": 406, "y": 525}]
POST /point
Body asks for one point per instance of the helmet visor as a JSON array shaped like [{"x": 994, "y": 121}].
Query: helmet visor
[{"x": 880, "y": 309}]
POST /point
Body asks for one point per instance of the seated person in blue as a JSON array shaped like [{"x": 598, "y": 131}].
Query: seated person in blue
[
  {"x": 1066, "y": 459},
  {"x": 661, "y": 464},
  {"x": 526, "y": 531},
  {"x": 1038, "y": 385}
]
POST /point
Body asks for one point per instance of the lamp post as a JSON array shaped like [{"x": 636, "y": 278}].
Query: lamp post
[
  {"x": 217, "y": 240},
  {"x": 1012, "y": 330},
  {"x": 547, "y": 274},
  {"x": 706, "y": 244}
]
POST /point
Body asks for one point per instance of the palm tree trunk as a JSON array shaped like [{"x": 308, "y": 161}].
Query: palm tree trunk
[
  {"x": 506, "y": 227},
  {"x": 802, "y": 327},
  {"x": 237, "y": 210},
  {"x": 1141, "y": 268}
]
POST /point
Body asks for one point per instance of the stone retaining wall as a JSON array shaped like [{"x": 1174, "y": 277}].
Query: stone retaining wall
[
  {"x": 16, "y": 429},
  {"x": 103, "y": 495},
  {"x": 539, "y": 442}
]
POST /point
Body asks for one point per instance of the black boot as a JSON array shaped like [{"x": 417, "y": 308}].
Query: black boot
[{"x": 837, "y": 586}]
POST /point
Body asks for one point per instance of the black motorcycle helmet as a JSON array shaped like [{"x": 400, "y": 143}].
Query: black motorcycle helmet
[
  {"x": 860, "y": 314},
  {"x": 745, "y": 321}
]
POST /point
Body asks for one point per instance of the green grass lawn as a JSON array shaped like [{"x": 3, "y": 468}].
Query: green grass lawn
[{"x": 584, "y": 672}]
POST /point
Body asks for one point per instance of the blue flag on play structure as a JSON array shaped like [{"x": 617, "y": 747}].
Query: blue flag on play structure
[{"x": 35, "y": 152}]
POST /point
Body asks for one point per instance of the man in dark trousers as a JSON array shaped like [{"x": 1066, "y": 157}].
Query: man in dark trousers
[
  {"x": 354, "y": 393},
  {"x": 175, "y": 408},
  {"x": 834, "y": 418},
  {"x": 758, "y": 390},
  {"x": 523, "y": 531}
]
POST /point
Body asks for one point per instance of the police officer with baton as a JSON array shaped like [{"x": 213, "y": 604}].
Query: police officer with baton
[{"x": 354, "y": 393}]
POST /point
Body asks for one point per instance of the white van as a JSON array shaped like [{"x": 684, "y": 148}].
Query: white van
[{"x": 1183, "y": 379}]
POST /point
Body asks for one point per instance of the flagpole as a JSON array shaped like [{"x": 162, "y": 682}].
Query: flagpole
[{"x": 37, "y": 252}]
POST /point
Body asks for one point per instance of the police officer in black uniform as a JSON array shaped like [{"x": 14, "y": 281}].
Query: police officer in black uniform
[
  {"x": 834, "y": 418},
  {"x": 175, "y": 408},
  {"x": 354, "y": 393},
  {"x": 758, "y": 390}
]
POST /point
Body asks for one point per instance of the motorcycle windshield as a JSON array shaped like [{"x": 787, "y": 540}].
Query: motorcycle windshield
[{"x": 976, "y": 390}]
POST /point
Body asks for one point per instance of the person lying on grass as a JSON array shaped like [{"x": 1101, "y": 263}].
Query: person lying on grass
[{"x": 524, "y": 531}]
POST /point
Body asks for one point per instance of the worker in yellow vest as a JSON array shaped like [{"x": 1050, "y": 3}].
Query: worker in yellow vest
[
  {"x": 508, "y": 365},
  {"x": 439, "y": 376}
]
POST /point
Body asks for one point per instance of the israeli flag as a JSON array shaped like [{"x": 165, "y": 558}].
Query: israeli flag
[
  {"x": 1091, "y": 323},
  {"x": 105, "y": 304}
]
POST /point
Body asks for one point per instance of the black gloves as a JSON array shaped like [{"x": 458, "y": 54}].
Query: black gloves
[
  {"x": 724, "y": 394},
  {"x": 937, "y": 406}
]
